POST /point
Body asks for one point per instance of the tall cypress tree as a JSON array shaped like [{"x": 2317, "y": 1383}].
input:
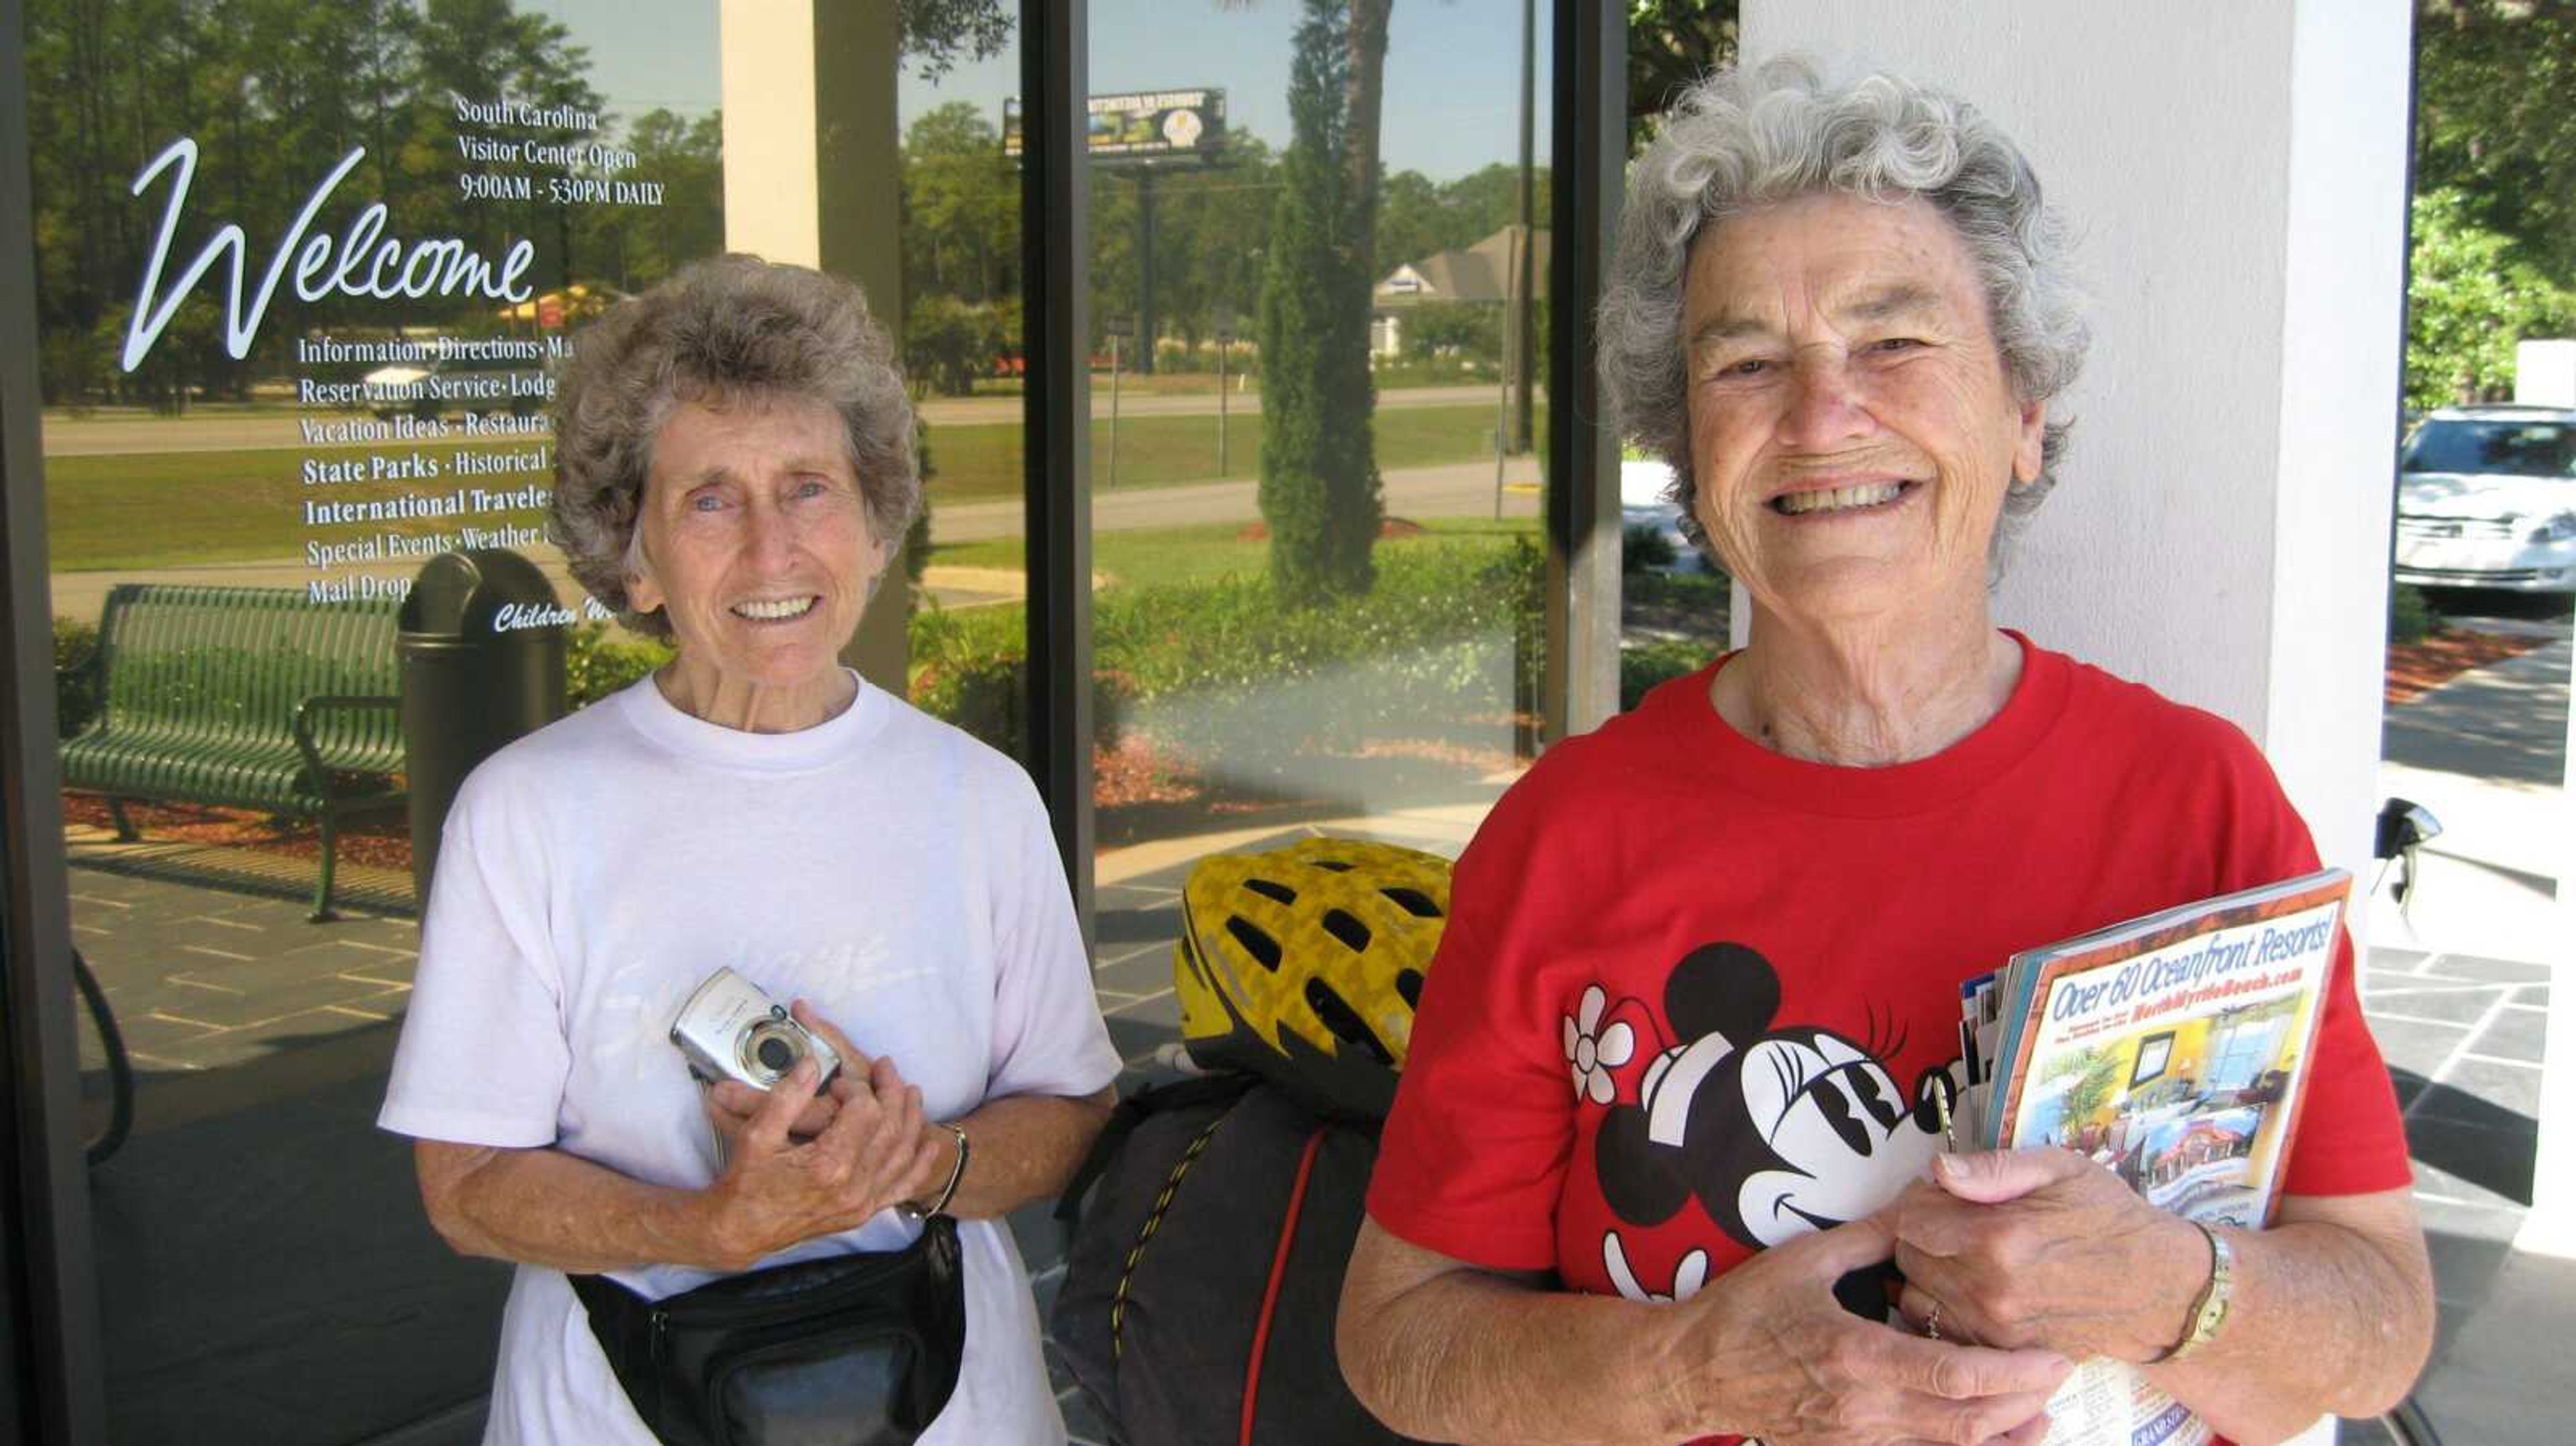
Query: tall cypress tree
[{"x": 1319, "y": 483}]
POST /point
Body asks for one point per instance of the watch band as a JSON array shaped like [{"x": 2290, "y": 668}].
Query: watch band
[{"x": 2209, "y": 1311}]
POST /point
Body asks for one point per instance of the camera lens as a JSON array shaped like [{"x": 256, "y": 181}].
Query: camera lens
[{"x": 776, "y": 1054}]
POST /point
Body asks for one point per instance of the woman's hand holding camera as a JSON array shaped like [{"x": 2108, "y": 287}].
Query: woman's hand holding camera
[{"x": 805, "y": 1161}]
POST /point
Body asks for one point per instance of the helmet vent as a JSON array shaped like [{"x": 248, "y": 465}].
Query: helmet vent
[
  {"x": 1408, "y": 982},
  {"x": 1280, "y": 893},
  {"x": 1343, "y": 1021},
  {"x": 1349, "y": 930},
  {"x": 1336, "y": 865},
  {"x": 1258, "y": 944},
  {"x": 1414, "y": 902}
]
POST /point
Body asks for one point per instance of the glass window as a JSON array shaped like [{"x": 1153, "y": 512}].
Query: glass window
[
  {"x": 1674, "y": 597},
  {"x": 307, "y": 275},
  {"x": 964, "y": 353},
  {"x": 2521, "y": 449},
  {"x": 1318, "y": 288}
]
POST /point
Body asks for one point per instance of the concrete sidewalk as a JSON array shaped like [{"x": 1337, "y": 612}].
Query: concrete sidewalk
[
  {"x": 2458, "y": 989},
  {"x": 2483, "y": 752}
]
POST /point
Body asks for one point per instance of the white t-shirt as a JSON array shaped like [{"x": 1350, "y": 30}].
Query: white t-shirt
[{"x": 883, "y": 865}]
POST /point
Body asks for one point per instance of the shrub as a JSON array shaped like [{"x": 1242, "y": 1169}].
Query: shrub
[
  {"x": 2410, "y": 614},
  {"x": 1471, "y": 330},
  {"x": 1449, "y": 630},
  {"x": 76, "y": 697},
  {"x": 1647, "y": 664},
  {"x": 597, "y": 664},
  {"x": 1218, "y": 667},
  {"x": 971, "y": 668},
  {"x": 1644, "y": 548},
  {"x": 949, "y": 343}
]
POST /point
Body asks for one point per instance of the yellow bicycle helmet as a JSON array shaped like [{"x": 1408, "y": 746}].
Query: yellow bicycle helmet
[{"x": 1303, "y": 965}]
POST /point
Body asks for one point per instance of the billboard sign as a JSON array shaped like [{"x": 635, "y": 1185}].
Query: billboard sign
[{"x": 1142, "y": 126}]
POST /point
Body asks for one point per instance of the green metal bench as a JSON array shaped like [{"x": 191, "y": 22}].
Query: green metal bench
[{"x": 245, "y": 698}]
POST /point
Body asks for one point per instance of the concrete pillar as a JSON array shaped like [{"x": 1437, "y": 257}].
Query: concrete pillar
[
  {"x": 2236, "y": 179},
  {"x": 821, "y": 188}
]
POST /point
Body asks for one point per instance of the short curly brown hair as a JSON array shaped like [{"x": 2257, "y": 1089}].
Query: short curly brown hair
[{"x": 725, "y": 330}]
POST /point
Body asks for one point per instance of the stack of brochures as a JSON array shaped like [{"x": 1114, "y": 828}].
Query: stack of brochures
[{"x": 2173, "y": 1050}]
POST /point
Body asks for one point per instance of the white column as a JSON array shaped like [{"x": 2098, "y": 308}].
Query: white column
[
  {"x": 813, "y": 172},
  {"x": 2235, "y": 176},
  {"x": 769, "y": 131}
]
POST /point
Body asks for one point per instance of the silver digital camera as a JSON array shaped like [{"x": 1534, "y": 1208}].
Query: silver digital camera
[{"x": 730, "y": 1030}]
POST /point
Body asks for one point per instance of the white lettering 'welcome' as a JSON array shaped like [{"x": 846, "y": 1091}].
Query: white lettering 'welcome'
[{"x": 444, "y": 265}]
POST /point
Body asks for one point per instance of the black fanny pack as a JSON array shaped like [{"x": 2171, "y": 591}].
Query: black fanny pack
[{"x": 859, "y": 1349}]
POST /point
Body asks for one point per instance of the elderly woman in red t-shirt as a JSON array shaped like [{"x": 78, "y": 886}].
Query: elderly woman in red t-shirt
[{"x": 1674, "y": 1103}]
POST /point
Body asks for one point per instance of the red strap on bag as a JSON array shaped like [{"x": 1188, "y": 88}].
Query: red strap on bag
[{"x": 1278, "y": 1272}]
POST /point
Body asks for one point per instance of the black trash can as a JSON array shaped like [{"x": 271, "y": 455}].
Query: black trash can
[{"x": 481, "y": 649}]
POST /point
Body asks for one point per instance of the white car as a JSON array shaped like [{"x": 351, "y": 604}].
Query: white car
[
  {"x": 2486, "y": 497},
  {"x": 1642, "y": 504}
]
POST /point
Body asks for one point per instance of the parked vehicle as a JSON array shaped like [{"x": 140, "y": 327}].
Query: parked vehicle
[
  {"x": 1643, "y": 507},
  {"x": 2486, "y": 497}
]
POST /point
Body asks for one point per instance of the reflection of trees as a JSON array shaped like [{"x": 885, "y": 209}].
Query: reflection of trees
[
  {"x": 1672, "y": 43},
  {"x": 633, "y": 247},
  {"x": 1418, "y": 217},
  {"x": 276, "y": 91},
  {"x": 1210, "y": 227},
  {"x": 937, "y": 32},
  {"x": 961, "y": 249},
  {"x": 961, "y": 207},
  {"x": 961, "y": 241},
  {"x": 1319, "y": 484}
]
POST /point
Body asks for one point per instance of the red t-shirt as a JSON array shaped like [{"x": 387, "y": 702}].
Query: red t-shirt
[{"x": 1694, "y": 995}]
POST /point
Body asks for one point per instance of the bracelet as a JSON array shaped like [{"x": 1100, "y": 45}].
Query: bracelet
[
  {"x": 948, "y": 1191},
  {"x": 2209, "y": 1310}
]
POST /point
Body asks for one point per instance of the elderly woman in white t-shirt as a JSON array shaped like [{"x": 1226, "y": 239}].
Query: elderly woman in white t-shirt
[{"x": 735, "y": 471}]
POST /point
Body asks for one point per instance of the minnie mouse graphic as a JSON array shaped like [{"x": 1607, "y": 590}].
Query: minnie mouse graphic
[{"x": 1774, "y": 1129}]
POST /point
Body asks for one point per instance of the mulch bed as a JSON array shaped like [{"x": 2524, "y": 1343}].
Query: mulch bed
[
  {"x": 383, "y": 840},
  {"x": 1386, "y": 527},
  {"x": 1135, "y": 772},
  {"x": 2417, "y": 668}
]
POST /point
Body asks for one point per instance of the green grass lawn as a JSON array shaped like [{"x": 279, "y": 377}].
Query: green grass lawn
[
  {"x": 1195, "y": 554},
  {"x": 171, "y": 509},
  {"x": 165, "y": 509},
  {"x": 984, "y": 461}
]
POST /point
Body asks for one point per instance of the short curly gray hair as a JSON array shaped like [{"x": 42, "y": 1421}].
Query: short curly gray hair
[
  {"x": 726, "y": 330},
  {"x": 1742, "y": 139}
]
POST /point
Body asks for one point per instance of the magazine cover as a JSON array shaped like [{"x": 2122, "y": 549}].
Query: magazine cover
[{"x": 2172, "y": 1050}]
